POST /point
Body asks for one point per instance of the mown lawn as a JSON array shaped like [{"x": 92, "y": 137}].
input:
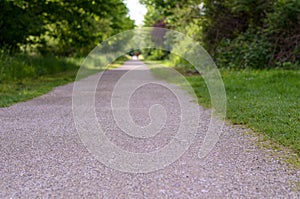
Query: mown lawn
[{"x": 267, "y": 101}]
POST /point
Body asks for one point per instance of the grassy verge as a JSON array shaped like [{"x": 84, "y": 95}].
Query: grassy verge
[
  {"x": 16, "y": 91},
  {"x": 25, "y": 77},
  {"x": 266, "y": 101}
]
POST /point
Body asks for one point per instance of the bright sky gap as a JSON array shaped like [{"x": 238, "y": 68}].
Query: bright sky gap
[{"x": 137, "y": 11}]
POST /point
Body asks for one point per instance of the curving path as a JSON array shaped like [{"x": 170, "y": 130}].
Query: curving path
[{"x": 42, "y": 155}]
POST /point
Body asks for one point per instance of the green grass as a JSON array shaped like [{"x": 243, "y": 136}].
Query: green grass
[
  {"x": 20, "y": 66},
  {"x": 267, "y": 101},
  {"x": 16, "y": 91},
  {"x": 24, "y": 77}
]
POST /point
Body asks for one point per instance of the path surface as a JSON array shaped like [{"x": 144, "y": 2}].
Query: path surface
[{"x": 42, "y": 156}]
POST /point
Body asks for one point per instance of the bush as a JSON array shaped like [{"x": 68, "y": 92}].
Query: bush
[
  {"x": 283, "y": 29},
  {"x": 248, "y": 50},
  {"x": 155, "y": 54},
  {"x": 254, "y": 33},
  {"x": 181, "y": 64}
]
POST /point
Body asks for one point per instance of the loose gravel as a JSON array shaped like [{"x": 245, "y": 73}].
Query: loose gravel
[{"x": 42, "y": 155}]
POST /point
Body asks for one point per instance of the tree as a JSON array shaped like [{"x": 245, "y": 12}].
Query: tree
[
  {"x": 18, "y": 20},
  {"x": 59, "y": 26},
  {"x": 237, "y": 33}
]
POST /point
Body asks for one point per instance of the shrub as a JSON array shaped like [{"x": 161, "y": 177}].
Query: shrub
[
  {"x": 283, "y": 29},
  {"x": 155, "y": 54},
  {"x": 248, "y": 50}
]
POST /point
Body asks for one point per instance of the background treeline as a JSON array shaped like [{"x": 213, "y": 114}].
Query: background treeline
[
  {"x": 39, "y": 37},
  {"x": 237, "y": 33},
  {"x": 60, "y": 27},
  {"x": 42, "y": 42}
]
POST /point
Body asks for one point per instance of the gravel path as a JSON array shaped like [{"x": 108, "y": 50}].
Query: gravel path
[{"x": 42, "y": 155}]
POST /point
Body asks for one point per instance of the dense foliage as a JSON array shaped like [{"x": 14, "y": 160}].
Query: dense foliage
[
  {"x": 60, "y": 26},
  {"x": 42, "y": 42},
  {"x": 237, "y": 33}
]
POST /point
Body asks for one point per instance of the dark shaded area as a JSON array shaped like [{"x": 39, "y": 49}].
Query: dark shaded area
[{"x": 237, "y": 33}]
